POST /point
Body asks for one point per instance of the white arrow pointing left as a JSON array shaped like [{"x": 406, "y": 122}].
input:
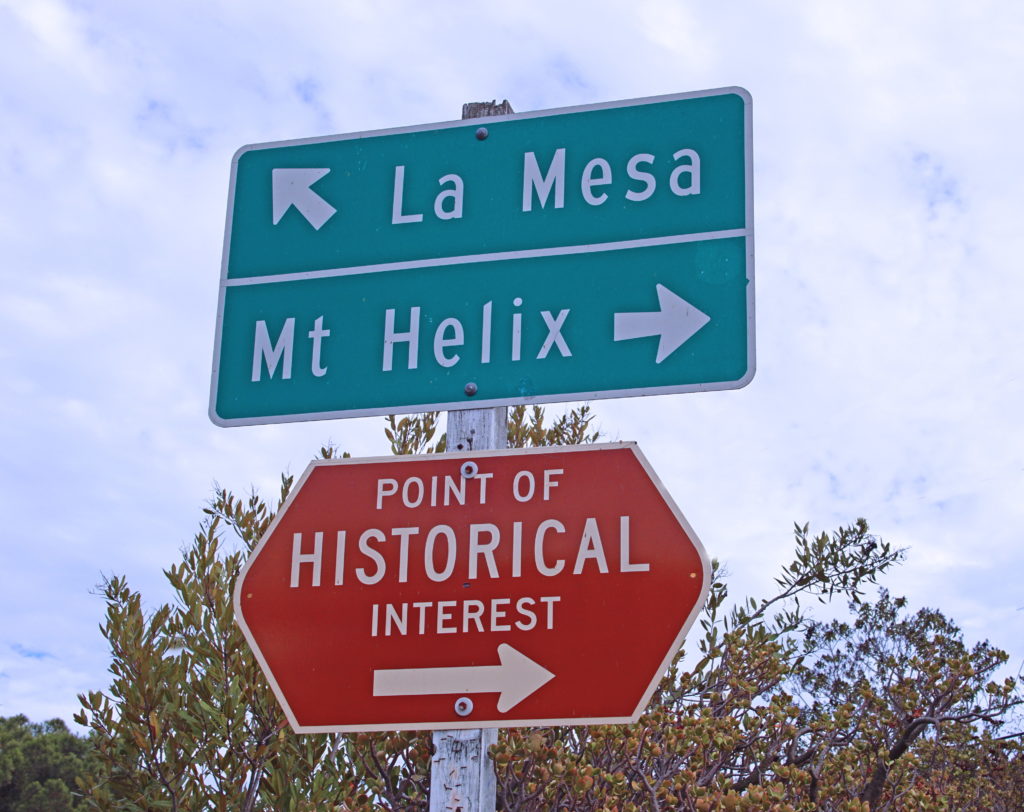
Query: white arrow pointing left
[
  {"x": 515, "y": 679},
  {"x": 290, "y": 187}
]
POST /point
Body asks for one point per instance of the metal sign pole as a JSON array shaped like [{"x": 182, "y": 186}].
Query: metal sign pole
[{"x": 462, "y": 775}]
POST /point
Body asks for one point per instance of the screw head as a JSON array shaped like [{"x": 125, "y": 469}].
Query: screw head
[
  {"x": 463, "y": 706},
  {"x": 481, "y": 133},
  {"x": 470, "y": 389},
  {"x": 468, "y": 469}
]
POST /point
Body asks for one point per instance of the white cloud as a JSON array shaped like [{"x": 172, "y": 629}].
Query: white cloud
[{"x": 890, "y": 377}]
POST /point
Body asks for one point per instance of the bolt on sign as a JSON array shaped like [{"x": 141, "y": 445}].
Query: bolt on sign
[
  {"x": 492, "y": 589},
  {"x": 572, "y": 254}
]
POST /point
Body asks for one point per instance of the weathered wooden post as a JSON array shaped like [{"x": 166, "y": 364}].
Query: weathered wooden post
[{"x": 461, "y": 772}]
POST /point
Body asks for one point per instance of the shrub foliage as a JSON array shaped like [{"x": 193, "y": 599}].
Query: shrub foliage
[{"x": 770, "y": 710}]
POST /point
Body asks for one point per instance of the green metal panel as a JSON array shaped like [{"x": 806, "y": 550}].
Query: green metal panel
[{"x": 668, "y": 207}]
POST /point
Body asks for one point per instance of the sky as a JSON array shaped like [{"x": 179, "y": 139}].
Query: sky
[{"x": 887, "y": 207}]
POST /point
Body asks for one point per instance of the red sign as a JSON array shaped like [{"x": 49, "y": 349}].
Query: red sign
[{"x": 492, "y": 589}]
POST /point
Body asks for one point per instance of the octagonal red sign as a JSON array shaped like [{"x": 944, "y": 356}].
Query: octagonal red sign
[{"x": 492, "y": 589}]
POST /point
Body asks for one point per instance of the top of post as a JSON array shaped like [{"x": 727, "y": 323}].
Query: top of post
[{"x": 484, "y": 109}]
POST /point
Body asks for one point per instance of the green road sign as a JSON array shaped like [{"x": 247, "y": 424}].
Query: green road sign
[{"x": 587, "y": 252}]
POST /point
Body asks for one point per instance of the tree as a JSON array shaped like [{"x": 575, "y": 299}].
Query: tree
[
  {"x": 772, "y": 711},
  {"x": 38, "y": 765},
  {"x": 914, "y": 695}
]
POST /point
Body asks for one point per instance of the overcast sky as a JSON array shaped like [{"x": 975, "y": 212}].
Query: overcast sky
[{"x": 889, "y": 289}]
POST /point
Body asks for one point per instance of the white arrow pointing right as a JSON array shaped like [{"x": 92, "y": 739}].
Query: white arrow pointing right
[
  {"x": 515, "y": 679},
  {"x": 675, "y": 322},
  {"x": 290, "y": 187}
]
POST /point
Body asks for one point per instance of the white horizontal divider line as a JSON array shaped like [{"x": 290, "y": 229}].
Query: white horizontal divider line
[{"x": 466, "y": 259}]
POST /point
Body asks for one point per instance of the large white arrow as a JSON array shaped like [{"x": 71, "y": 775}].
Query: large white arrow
[
  {"x": 675, "y": 321},
  {"x": 290, "y": 187},
  {"x": 515, "y": 679}
]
